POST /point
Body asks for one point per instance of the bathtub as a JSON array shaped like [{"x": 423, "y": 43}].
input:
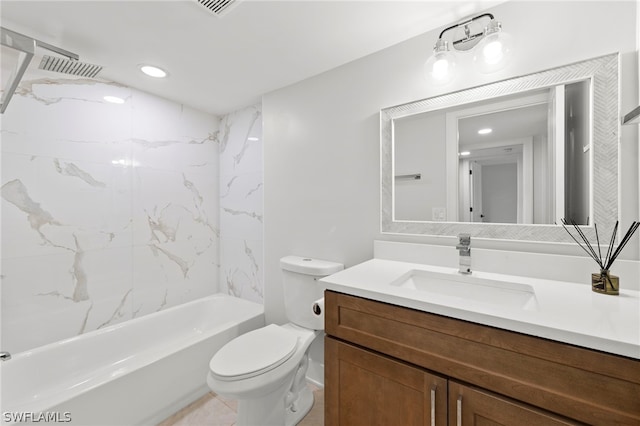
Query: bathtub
[{"x": 135, "y": 373}]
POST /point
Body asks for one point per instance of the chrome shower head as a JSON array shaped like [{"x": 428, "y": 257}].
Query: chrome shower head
[{"x": 69, "y": 66}]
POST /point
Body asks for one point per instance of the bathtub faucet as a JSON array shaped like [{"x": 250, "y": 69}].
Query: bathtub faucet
[{"x": 5, "y": 356}]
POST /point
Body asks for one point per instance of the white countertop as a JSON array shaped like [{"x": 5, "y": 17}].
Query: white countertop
[{"x": 565, "y": 311}]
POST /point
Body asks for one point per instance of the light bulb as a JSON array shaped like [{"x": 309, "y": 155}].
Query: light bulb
[
  {"x": 494, "y": 50},
  {"x": 440, "y": 68}
]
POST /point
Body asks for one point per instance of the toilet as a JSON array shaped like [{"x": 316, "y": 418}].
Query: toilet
[{"x": 265, "y": 369}]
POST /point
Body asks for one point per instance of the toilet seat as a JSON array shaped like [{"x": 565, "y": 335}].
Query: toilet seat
[{"x": 237, "y": 359}]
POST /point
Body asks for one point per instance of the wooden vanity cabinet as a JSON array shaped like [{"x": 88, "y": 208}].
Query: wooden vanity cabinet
[{"x": 389, "y": 365}]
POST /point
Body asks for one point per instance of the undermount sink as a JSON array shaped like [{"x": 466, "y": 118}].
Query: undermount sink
[{"x": 471, "y": 288}]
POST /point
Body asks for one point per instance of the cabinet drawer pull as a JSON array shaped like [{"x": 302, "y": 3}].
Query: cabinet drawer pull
[
  {"x": 459, "y": 411},
  {"x": 433, "y": 405}
]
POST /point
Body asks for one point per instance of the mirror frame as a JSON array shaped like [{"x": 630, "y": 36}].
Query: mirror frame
[{"x": 603, "y": 72}]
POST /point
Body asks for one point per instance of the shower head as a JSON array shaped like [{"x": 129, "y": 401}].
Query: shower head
[
  {"x": 69, "y": 66},
  {"x": 25, "y": 48}
]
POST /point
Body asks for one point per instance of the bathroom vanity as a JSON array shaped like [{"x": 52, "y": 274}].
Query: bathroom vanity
[{"x": 410, "y": 356}]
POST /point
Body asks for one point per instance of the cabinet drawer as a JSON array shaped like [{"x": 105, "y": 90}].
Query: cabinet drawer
[{"x": 589, "y": 386}]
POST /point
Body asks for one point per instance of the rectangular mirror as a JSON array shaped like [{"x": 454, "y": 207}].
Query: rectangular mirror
[{"x": 506, "y": 160}]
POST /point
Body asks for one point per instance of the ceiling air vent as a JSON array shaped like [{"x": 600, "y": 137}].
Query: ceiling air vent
[{"x": 219, "y": 7}]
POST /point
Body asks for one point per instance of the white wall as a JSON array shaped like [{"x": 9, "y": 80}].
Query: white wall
[
  {"x": 109, "y": 212},
  {"x": 321, "y": 136},
  {"x": 417, "y": 149},
  {"x": 500, "y": 193}
]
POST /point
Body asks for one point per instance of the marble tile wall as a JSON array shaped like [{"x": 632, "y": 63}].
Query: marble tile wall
[
  {"x": 109, "y": 211},
  {"x": 241, "y": 204}
]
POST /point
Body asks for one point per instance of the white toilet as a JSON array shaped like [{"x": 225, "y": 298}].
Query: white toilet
[{"x": 265, "y": 369}]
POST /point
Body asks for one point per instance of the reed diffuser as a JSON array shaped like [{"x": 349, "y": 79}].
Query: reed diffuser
[{"x": 602, "y": 282}]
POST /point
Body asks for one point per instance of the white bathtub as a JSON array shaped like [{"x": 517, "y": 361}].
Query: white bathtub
[{"x": 134, "y": 373}]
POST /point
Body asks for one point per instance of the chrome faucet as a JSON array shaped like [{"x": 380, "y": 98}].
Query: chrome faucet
[{"x": 464, "y": 248}]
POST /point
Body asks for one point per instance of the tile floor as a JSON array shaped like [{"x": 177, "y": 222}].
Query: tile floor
[{"x": 215, "y": 410}]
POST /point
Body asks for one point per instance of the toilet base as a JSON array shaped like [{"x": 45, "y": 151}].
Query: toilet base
[
  {"x": 270, "y": 411},
  {"x": 303, "y": 406}
]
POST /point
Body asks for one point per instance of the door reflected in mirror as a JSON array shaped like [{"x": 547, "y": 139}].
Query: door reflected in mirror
[{"x": 523, "y": 158}]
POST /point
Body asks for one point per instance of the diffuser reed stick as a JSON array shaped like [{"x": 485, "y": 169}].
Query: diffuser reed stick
[{"x": 632, "y": 229}]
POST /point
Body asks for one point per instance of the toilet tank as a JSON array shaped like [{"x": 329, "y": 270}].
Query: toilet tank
[{"x": 301, "y": 288}]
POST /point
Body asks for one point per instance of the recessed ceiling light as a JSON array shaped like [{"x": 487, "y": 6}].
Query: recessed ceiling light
[
  {"x": 465, "y": 153},
  {"x": 485, "y": 131},
  {"x": 114, "y": 99},
  {"x": 152, "y": 71}
]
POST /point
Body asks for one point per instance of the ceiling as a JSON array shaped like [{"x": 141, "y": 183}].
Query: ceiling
[
  {"x": 506, "y": 125},
  {"x": 220, "y": 64}
]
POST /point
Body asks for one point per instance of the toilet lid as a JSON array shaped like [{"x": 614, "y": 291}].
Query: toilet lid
[{"x": 254, "y": 353}]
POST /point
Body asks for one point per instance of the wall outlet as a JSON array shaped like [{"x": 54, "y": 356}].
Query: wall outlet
[{"x": 439, "y": 214}]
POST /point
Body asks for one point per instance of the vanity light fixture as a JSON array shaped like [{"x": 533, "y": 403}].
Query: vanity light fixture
[
  {"x": 485, "y": 131},
  {"x": 492, "y": 48},
  {"x": 465, "y": 153},
  {"x": 153, "y": 71}
]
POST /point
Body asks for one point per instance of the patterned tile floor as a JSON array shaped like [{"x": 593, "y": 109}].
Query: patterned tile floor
[{"x": 215, "y": 410}]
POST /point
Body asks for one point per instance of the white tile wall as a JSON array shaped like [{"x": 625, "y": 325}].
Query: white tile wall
[
  {"x": 109, "y": 211},
  {"x": 241, "y": 204}
]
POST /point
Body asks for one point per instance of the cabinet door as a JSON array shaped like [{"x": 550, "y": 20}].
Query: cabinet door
[
  {"x": 472, "y": 407},
  {"x": 365, "y": 388}
]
